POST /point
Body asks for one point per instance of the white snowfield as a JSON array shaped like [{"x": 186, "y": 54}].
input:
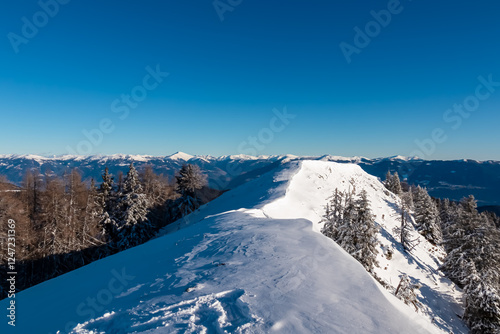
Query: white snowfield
[{"x": 251, "y": 261}]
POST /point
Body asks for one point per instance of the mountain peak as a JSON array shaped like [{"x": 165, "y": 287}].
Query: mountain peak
[{"x": 180, "y": 156}]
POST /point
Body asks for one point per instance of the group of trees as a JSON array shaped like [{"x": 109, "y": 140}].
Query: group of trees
[
  {"x": 63, "y": 222},
  {"x": 470, "y": 240},
  {"x": 392, "y": 183},
  {"x": 350, "y": 223},
  {"x": 425, "y": 212}
]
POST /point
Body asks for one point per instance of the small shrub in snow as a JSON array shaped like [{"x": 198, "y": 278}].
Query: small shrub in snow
[{"x": 406, "y": 292}]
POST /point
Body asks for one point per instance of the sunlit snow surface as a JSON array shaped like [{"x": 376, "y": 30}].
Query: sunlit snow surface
[{"x": 251, "y": 261}]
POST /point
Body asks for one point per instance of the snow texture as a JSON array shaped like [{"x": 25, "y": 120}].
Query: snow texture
[{"x": 251, "y": 261}]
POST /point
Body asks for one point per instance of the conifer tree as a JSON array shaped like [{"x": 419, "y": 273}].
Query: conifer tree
[
  {"x": 350, "y": 223},
  {"x": 189, "y": 180},
  {"x": 406, "y": 292},
  {"x": 345, "y": 228},
  {"x": 405, "y": 229},
  {"x": 365, "y": 233},
  {"x": 106, "y": 190},
  {"x": 133, "y": 226},
  {"x": 107, "y": 200},
  {"x": 333, "y": 215},
  {"x": 458, "y": 256},
  {"x": 396, "y": 184},
  {"x": 427, "y": 216},
  {"x": 392, "y": 183},
  {"x": 475, "y": 239},
  {"x": 482, "y": 302},
  {"x": 449, "y": 217},
  {"x": 388, "y": 180}
]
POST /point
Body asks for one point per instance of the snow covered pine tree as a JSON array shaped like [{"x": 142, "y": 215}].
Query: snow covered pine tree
[
  {"x": 333, "y": 215},
  {"x": 473, "y": 238},
  {"x": 189, "y": 180},
  {"x": 133, "y": 226},
  {"x": 427, "y": 216},
  {"x": 406, "y": 292},
  {"x": 350, "y": 223},
  {"x": 482, "y": 302},
  {"x": 404, "y": 230},
  {"x": 365, "y": 233},
  {"x": 392, "y": 183},
  {"x": 107, "y": 201}
]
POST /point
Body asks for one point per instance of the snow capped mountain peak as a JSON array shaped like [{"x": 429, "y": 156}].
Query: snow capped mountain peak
[
  {"x": 338, "y": 158},
  {"x": 402, "y": 157},
  {"x": 35, "y": 157},
  {"x": 180, "y": 156},
  {"x": 133, "y": 157}
]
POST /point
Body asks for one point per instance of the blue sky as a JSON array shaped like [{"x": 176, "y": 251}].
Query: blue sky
[{"x": 227, "y": 76}]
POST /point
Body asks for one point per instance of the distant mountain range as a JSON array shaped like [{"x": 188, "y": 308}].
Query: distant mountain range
[{"x": 453, "y": 179}]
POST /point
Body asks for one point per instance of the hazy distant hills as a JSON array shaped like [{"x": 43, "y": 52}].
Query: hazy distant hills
[{"x": 452, "y": 179}]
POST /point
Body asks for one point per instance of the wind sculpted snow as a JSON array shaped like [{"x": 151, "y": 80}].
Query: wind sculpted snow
[{"x": 251, "y": 261}]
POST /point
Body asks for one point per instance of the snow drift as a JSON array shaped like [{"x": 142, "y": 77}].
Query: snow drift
[{"x": 251, "y": 261}]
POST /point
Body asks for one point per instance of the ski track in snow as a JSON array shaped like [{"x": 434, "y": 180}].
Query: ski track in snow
[{"x": 252, "y": 261}]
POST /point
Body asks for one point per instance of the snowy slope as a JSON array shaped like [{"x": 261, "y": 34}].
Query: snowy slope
[
  {"x": 250, "y": 261},
  {"x": 306, "y": 197}
]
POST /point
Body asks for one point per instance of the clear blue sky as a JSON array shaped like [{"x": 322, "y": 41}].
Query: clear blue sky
[{"x": 226, "y": 77}]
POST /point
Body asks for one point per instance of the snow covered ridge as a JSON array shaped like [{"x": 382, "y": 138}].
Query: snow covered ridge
[{"x": 251, "y": 261}]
